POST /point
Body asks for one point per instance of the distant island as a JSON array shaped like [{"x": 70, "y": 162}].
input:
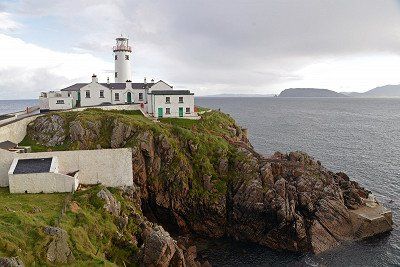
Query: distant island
[
  {"x": 309, "y": 92},
  {"x": 381, "y": 91}
]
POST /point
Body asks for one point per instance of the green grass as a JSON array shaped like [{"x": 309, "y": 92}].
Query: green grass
[
  {"x": 92, "y": 231},
  {"x": 22, "y": 218}
]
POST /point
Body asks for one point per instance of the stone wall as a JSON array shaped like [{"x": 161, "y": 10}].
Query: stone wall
[
  {"x": 111, "y": 167},
  {"x": 15, "y": 131}
]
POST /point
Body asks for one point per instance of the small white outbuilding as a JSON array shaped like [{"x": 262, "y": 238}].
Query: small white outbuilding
[{"x": 40, "y": 175}]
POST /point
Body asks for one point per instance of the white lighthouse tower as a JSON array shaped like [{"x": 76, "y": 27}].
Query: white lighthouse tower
[{"x": 122, "y": 57}]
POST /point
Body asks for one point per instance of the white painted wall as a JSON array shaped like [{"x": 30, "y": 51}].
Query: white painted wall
[
  {"x": 56, "y": 100},
  {"x": 123, "y": 66},
  {"x": 94, "y": 88},
  {"x": 111, "y": 167},
  {"x": 114, "y": 107},
  {"x": 121, "y": 99},
  {"x": 159, "y": 101},
  {"x": 60, "y": 103},
  {"x": 15, "y": 131},
  {"x": 160, "y": 85},
  {"x": 49, "y": 182}
]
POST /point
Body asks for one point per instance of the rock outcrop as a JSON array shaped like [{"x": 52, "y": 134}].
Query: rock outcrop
[
  {"x": 58, "y": 250},
  {"x": 207, "y": 179},
  {"x": 11, "y": 262}
]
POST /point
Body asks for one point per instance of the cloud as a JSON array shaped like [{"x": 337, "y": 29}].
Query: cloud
[
  {"x": 27, "y": 69},
  {"x": 7, "y": 23},
  {"x": 232, "y": 46}
]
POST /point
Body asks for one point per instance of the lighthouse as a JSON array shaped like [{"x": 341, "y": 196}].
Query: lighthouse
[{"x": 122, "y": 57}]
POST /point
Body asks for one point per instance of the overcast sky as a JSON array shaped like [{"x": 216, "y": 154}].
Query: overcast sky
[{"x": 209, "y": 47}]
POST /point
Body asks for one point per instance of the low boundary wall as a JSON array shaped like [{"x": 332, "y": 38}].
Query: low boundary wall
[{"x": 110, "y": 167}]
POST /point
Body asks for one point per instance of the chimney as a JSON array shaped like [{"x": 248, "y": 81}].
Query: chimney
[
  {"x": 145, "y": 82},
  {"x": 128, "y": 84},
  {"x": 94, "y": 78},
  {"x": 108, "y": 80}
]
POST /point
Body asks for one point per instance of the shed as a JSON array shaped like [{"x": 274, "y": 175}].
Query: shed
[{"x": 39, "y": 175}]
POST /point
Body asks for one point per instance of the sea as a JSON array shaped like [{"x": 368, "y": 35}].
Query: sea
[
  {"x": 9, "y": 106},
  {"x": 360, "y": 136}
]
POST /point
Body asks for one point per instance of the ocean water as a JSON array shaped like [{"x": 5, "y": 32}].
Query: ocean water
[
  {"x": 8, "y": 106},
  {"x": 358, "y": 136}
]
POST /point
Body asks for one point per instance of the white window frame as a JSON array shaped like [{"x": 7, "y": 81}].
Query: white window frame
[
  {"x": 186, "y": 110},
  {"x": 116, "y": 97},
  {"x": 167, "y": 100},
  {"x": 60, "y": 101},
  {"x": 167, "y": 111},
  {"x": 101, "y": 93},
  {"x": 179, "y": 100},
  {"x": 87, "y": 94}
]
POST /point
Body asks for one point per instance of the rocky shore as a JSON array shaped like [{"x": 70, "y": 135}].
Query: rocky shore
[{"x": 204, "y": 178}]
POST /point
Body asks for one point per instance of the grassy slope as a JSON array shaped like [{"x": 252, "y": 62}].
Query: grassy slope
[{"x": 91, "y": 229}]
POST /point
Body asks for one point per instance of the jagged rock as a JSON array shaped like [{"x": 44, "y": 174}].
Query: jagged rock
[
  {"x": 48, "y": 130},
  {"x": 11, "y": 262},
  {"x": 58, "y": 250},
  {"x": 159, "y": 248},
  {"x": 85, "y": 135},
  {"x": 121, "y": 132},
  {"x": 112, "y": 205}
]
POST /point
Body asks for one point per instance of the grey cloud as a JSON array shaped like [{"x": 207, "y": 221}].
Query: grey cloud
[{"x": 237, "y": 43}]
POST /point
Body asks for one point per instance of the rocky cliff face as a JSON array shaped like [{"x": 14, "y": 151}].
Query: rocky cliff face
[{"x": 204, "y": 177}]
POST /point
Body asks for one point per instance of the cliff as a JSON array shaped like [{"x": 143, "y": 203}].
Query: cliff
[
  {"x": 309, "y": 92},
  {"x": 203, "y": 177}
]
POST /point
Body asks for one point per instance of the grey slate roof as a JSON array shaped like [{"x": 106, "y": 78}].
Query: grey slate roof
[
  {"x": 39, "y": 165},
  {"x": 74, "y": 87},
  {"x": 171, "y": 92},
  {"x": 118, "y": 86}
]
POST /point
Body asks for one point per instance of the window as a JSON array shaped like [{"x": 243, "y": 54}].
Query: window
[
  {"x": 116, "y": 57},
  {"x": 187, "y": 110},
  {"x": 69, "y": 94},
  {"x": 168, "y": 100},
  {"x": 126, "y": 57},
  {"x": 167, "y": 111},
  {"x": 101, "y": 93},
  {"x": 87, "y": 94},
  {"x": 116, "y": 74},
  {"x": 181, "y": 99},
  {"x": 140, "y": 96},
  {"x": 116, "y": 96},
  {"x": 60, "y": 102}
]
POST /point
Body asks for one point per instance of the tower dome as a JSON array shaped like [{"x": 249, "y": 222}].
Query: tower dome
[{"x": 122, "y": 57}]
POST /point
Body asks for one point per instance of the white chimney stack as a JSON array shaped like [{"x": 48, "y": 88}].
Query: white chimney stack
[
  {"x": 145, "y": 82},
  {"x": 108, "y": 80},
  {"x": 94, "y": 78}
]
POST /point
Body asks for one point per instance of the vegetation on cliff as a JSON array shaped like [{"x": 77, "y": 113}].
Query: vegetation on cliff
[{"x": 198, "y": 177}]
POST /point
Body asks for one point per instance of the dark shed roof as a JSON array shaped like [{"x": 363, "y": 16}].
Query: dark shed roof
[
  {"x": 7, "y": 145},
  {"x": 171, "y": 92},
  {"x": 39, "y": 165}
]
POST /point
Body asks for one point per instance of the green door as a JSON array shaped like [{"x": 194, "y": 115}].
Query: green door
[
  {"x": 160, "y": 112},
  {"x": 129, "y": 97},
  {"x": 78, "y": 102},
  {"x": 180, "y": 112}
]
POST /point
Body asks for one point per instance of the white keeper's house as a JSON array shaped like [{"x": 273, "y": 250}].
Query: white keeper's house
[{"x": 157, "y": 99}]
